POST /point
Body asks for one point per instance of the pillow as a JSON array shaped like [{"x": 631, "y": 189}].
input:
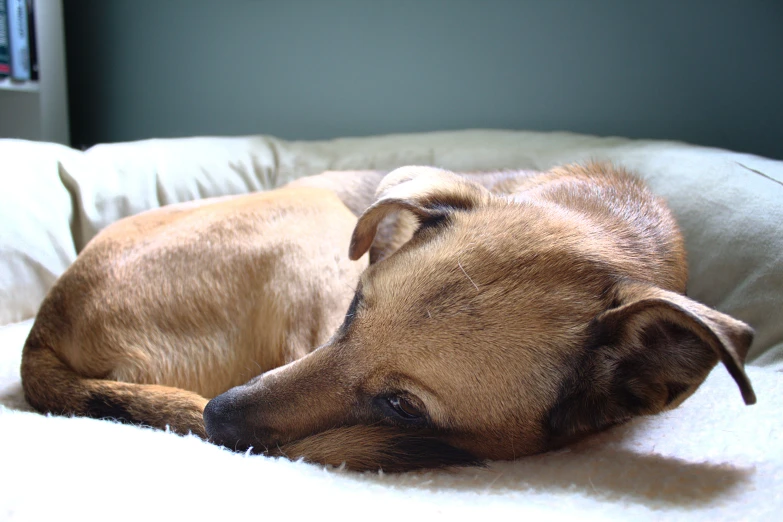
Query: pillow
[
  {"x": 36, "y": 243},
  {"x": 729, "y": 205}
]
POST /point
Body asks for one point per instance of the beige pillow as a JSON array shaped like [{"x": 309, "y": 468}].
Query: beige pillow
[
  {"x": 36, "y": 243},
  {"x": 730, "y": 205}
]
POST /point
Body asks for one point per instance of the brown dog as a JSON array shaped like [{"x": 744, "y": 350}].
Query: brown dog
[{"x": 515, "y": 313}]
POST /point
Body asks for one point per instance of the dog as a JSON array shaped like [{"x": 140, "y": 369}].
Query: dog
[{"x": 489, "y": 316}]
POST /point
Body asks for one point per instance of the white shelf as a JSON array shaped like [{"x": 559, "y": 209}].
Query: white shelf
[
  {"x": 6, "y": 84},
  {"x": 38, "y": 110}
]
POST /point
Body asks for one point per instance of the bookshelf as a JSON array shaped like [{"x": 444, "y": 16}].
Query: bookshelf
[
  {"x": 38, "y": 110},
  {"x": 7, "y": 85}
]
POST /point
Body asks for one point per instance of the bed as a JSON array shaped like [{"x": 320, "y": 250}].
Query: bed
[{"x": 711, "y": 458}]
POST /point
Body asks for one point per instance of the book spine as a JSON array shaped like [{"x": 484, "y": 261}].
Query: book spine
[
  {"x": 31, "y": 40},
  {"x": 5, "y": 58},
  {"x": 17, "y": 37}
]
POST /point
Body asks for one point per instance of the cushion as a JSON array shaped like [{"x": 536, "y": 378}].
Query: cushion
[
  {"x": 729, "y": 205},
  {"x": 36, "y": 212}
]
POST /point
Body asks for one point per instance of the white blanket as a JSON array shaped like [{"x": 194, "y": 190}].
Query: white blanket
[{"x": 713, "y": 458}]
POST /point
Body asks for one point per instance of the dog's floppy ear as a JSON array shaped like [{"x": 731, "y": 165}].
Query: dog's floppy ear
[
  {"x": 646, "y": 355},
  {"x": 428, "y": 193}
]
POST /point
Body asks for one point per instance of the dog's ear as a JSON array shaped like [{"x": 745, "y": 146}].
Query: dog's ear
[
  {"x": 426, "y": 192},
  {"x": 646, "y": 355}
]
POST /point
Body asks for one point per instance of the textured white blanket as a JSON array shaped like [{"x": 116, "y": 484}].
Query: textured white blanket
[{"x": 711, "y": 459}]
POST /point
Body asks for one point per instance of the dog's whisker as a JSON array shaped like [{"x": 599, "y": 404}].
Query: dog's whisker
[{"x": 466, "y": 275}]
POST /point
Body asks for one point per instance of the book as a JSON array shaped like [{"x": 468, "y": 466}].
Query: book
[
  {"x": 5, "y": 58},
  {"x": 18, "y": 40},
  {"x": 31, "y": 40}
]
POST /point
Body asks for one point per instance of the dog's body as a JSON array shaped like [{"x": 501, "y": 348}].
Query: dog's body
[
  {"x": 516, "y": 312},
  {"x": 194, "y": 298}
]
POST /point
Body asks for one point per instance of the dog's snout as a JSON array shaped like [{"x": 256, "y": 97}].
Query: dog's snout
[{"x": 224, "y": 421}]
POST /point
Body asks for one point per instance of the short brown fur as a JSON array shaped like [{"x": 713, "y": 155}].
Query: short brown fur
[{"x": 501, "y": 315}]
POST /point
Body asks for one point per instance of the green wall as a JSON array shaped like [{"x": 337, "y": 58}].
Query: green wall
[{"x": 707, "y": 72}]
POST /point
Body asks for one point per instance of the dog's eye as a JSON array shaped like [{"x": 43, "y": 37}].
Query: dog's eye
[{"x": 403, "y": 407}]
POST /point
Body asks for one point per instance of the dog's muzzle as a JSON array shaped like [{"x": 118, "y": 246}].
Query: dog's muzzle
[{"x": 225, "y": 422}]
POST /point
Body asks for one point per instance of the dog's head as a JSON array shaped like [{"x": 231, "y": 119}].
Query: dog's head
[{"x": 500, "y": 329}]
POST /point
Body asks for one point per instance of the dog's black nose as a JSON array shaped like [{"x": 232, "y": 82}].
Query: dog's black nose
[{"x": 223, "y": 420}]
